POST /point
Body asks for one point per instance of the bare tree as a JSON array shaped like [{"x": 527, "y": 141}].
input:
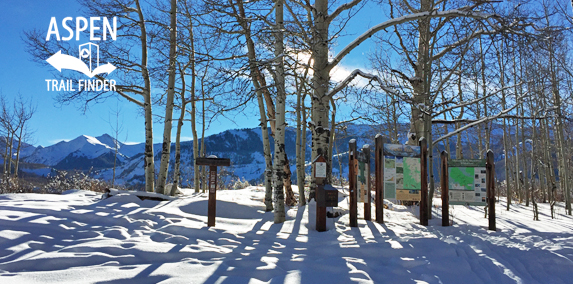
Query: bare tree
[
  {"x": 117, "y": 129},
  {"x": 14, "y": 121}
]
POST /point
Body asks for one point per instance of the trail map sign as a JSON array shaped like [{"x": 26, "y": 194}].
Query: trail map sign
[
  {"x": 467, "y": 182},
  {"x": 362, "y": 170},
  {"x": 402, "y": 173}
]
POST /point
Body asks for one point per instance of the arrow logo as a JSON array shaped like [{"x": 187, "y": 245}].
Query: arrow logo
[{"x": 63, "y": 61}]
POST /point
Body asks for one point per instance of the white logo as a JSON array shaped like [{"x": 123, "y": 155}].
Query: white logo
[{"x": 88, "y": 52}]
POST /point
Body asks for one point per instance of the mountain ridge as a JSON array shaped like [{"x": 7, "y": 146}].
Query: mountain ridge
[{"x": 243, "y": 146}]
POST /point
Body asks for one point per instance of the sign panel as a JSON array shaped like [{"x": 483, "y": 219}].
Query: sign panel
[
  {"x": 362, "y": 179},
  {"x": 327, "y": 196},
  {"x": 467, "y": 182},
  {"x": 320, "y": 169},
  {"x": 402, "y": 174},
  {"x": 212, "y": 181}
]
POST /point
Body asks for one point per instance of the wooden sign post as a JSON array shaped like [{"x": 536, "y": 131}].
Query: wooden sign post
[
  {"x": 444, "y": 184},
  {"x": 424, "y": 182},
  {"x": 364, "y": 172},
  {"x": 379, "y": 176},
  {"x": 213, "y": 162},
  {"x": 490, "y": 183},
  {"x": 320, "y": 176},
  {"x": 353, "y": 207}
]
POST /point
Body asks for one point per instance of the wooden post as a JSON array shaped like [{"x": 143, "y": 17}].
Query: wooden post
[
  {"x": 212, "y": 162},
  {"x": 367, "y": 202},
  {"x": 353, "y": 214},
  {"x": 424, "y": 182},
  {"x": 320, "y": 175},
  {"x": 490, "y": 183},
  {"x": 444, "y": 184},
  {"x": 212, "y": 207},
  {"x": 379, "y": 177}
]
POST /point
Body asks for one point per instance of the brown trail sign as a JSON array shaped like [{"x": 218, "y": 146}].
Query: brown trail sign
[
  {"x": 490, "y": 168},
  {"x": 424, "y": 181},
  {"x": 213, "y": 162},
  {"x": 379, "y": 176},
  {"x": 444, "y": 180},
  {"x": 353, "y": 207},
  {"x": 359, "y": 179}
]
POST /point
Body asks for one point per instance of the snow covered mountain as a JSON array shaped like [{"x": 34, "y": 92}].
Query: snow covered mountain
[
  {"x": 83, "y": 153},
  {"x": 243, "y": 146}
]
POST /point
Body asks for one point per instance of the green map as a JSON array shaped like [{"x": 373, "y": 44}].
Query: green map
[
  {"x": 412, "y": 173},
  {"x": 461, "y": 178},
  {"x": 389, "y": 163}
]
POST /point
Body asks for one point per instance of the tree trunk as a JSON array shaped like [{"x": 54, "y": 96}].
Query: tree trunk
[
  {"x": 196, "y": 151},
  {"x": 166, "y": 149},
  {"x": 18, "y": 151},
  {"x": 257, "y": 78},
  {"x": 280, "y": 153},
  {"x": 332, "y": 136},
  {"x": 558, "y": 123},
  {"x": 149, "y": 156},
  {"x": 517, "y": 177},
  {"x": 203, "y": 150},
  {"x": 268, "y": 174},
  {"x": 300, "y": 147},
  {"x": 506, "y": 149},
  {"x": 484, "y": 93},
  {"x": 321, "y": 79},
  {"x": 177, "y": 167},
  {"x": 302, "y": 169},
  {"x": 10, "y": 149},
  {"x": 6, "y": 155}
]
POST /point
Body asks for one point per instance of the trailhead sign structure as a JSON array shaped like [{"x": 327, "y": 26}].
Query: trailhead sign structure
[
  {"x": 468, "y": 182},
  {"x": 400, "y": 174}
]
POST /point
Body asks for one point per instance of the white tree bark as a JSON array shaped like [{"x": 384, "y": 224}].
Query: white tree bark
[
  {"x": 168, "y": 122},
  {"x": 300, "y": 146},
  {"x": 280, "y": 153},
  {"x": 321, "y": 79},
  {"x": 149, "y": 163}
]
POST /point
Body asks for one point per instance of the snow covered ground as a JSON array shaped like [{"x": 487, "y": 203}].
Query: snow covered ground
[{"x": 79, "y": 238}]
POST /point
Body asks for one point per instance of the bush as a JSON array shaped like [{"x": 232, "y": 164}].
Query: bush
[
  {"x": 240, "y": 184},
  {"x": 65, "y": 181},
  {"x": 15, "y": 185}
]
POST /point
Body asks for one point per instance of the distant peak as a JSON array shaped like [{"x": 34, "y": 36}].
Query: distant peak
[{"x": 105, "y": 135}]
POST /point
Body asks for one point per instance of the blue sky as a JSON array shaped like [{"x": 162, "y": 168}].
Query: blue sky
[{"x": 53, "y": 122}]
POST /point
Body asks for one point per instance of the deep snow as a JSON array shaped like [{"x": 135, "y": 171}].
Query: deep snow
[{"x": 79, "y": 238}]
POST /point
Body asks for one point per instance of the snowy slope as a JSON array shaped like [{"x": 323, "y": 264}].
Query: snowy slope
[{"x": 78, "y": 238}]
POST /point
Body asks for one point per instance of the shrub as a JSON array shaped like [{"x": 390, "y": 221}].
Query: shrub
[
  {"x": 65, "y": 181},
  {"x": 240, "y": 184},
  {"x": 15, "y": 185}
]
